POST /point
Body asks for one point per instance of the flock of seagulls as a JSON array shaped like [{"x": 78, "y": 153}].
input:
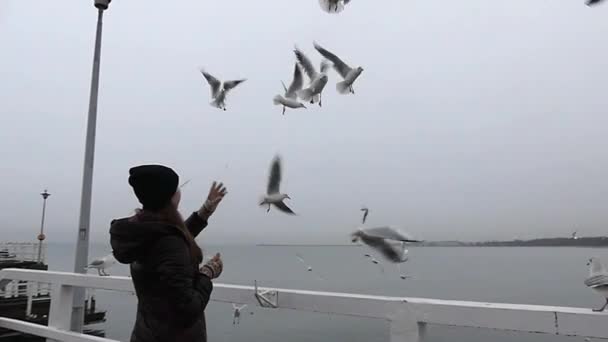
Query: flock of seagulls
[{"x": 297, "y": 93}]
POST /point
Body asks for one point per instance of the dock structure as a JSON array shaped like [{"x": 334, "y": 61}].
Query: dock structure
[
  {"x": 407, "y": 317},
  {"x": 30, "y": 301}
]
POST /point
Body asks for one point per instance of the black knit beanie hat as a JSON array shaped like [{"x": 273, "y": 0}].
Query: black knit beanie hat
[{"x": 154, "y": 185}]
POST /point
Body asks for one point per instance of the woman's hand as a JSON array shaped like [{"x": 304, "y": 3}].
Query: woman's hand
[
  {"x": 216, "y": 194},
  {"x": 213, "y": 268}
]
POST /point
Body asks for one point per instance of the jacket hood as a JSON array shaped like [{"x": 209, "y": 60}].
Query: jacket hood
[{"x": 130, "y": 240}]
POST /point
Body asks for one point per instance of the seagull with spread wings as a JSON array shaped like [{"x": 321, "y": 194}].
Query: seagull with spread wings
[
  {"x": 220, "y": 89},
  {"x": 273, "y": 195},
  {"x": 349, "y": 74},
  {"x": 389, "y": 241},
  {"x": 291, "y": 98},
  {"x": 318, "y": 80}
]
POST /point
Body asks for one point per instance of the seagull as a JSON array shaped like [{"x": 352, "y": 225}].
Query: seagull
[
  {"x": 387, "y": 240},
  {"x": 349, "y": 74},
  {"x": 219, "y": 89},
  {"x": 102, "y": 264},
  {"x": 574, "y": 236},
  {"x": 308, "y": 267},
  {"x": 598, "y": 280},
  {"x": 333, "y": 6},
  {"x": 318, "y": 80},
  {"x": 365, "y": 212},
  {"x": 273, "y": 196},
  {"x": 405, "y": 276},
  {"x": 589, "y": 2},
  {"x": 291, "y": 98},
  {"x": 236, "y": 316}
]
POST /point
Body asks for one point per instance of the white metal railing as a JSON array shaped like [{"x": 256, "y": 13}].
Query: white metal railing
[
  {"x": 407, "y": 316},
  {"x": 22, "y": 251}
]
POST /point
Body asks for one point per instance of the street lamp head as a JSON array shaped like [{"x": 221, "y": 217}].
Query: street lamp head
[
  {"x": 45, "y": 194},
  {"x": 102, "y": 4}
]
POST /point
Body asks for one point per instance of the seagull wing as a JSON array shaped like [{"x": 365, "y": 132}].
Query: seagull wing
[
  {"x": 214, "y": 83},
  {"x": 342, "y": 68},
  {"x": 389, "y": 233},
  {"x": 284, "y": 208},
  {"x": 331, "y": 6},
  {"x": 274, "y": 180},
  {"x": 593, "y": 2},
  {"x": 381, "y": 245},
  {"x": 596, "y": 281},
  {"x": 97, "y": 262},
  {"x": 231, "y": 84},
  {"x": 306, "y": 64},
  {"x": 296, "y": 83}
]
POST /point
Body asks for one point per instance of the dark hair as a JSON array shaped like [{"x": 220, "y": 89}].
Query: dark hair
[{"x": 169, "y": 214}]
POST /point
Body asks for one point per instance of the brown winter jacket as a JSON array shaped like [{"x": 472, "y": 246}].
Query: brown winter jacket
[{"x": 172, "y": 294}]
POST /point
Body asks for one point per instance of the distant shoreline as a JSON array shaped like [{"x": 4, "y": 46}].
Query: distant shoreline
[{"x": 601, "y": 241}]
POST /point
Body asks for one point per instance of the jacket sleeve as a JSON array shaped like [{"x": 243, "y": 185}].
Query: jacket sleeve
[
  {"x": 195, "y": 224},
  {"x": 188, "y": 292}
]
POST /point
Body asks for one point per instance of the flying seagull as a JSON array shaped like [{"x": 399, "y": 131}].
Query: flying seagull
[
  {"x": 219, "y": 89},
  {"x": 349, "y": 74},
  {"x": 291, "y": 98},
  {"x": 318, "y": 80},
  {"x": 101, "y": 264},
  {"x": 236, "y": 316},
  {"x": 365, "y": 212},
  {"x": 598, "y": 280},
  {"x": 273, "y": 195},
  {"x": 308, "y": 267},
  {"x": 333, "y": 6},
  {"x": 593, "y": 2},
  {"x": 387, "y": 240}
]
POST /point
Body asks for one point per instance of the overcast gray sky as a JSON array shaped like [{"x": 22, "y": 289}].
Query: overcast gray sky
[{"x": 472, "y": 120}]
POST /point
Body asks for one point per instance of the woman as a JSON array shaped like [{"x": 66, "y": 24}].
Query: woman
[{"x": 172, "y": 290}]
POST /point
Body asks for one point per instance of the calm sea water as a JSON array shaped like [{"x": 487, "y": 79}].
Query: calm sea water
[{"x": 549, "y": 276}]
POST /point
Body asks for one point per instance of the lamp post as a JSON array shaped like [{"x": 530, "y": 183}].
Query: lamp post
[
  {"x": 41, "y": 236},
  {"x": 82, "y": 242}
]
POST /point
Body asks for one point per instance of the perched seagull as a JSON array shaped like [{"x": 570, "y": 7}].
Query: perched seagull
[
  {"x": 598, "y": 280},
  {"x": 102, "y": 264},
  {"x": 574, "y": 236},
  {"x": 219, "y": 89},
  {"x": 318, "y": 80},
  {"x": 593, "y": 2},
  {"x": 365, "y": 212},
  {"x": 273, "y": 195},
  {"x": 349, "y": 74},
  {"x": 291, "y": 98},
  {"x": 387, "y": 240},
  {"x": 333, "y": 6},
  {"x": 236, "y": 316}
]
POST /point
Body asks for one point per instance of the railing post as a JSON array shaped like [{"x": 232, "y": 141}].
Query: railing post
[
  {"x": 404, "y": 326},
  {"x": 28, "y": 309},
  {"x": 60, "y": 312}
]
